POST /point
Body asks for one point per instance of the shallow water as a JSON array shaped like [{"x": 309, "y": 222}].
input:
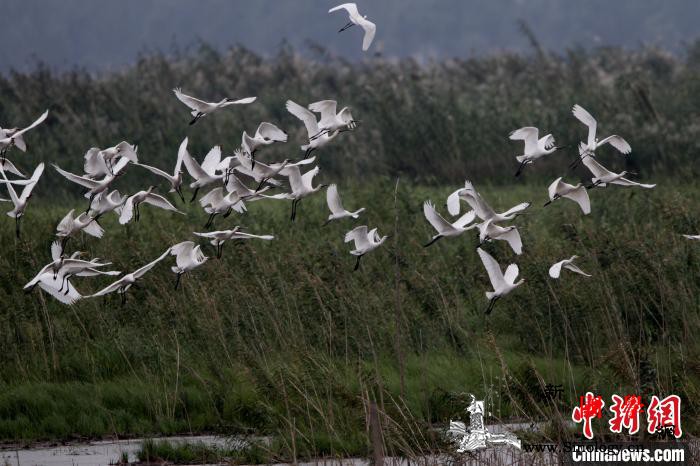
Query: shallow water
[{"x": 100, "y": 453}]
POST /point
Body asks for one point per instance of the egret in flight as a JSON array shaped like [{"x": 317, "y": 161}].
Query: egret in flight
[
  {"x": 477, "y": 203},
  {"x": 589, "y": 148},
  {"x": 95, "y": 187},
  {"x": 602, "y": 176},
  {"x": 187, "y": 257},
  {"x": 555, "y": 270},
  {"x": 535, "y": 147},
  {"x": 132, "y": 203},
  {"x": 266, "y": 134},
  {"x": 175, "y": 179},
  {"x": 218, "y": 238},
  {"x": 206, "y": 173},
  {"x": 336, "y": 206},
  {"x": 357, "y": 19},
  {"x": 71, "y": 225},
  {"x": 201, "y": 108},
  {"x": 20, "y": 202},
  {"x": 122, "y": 285},
  {"x": 578, "y": 194},
  {"x": 13, "y": 137},
  {"x": 330, "y": 120},
  {"x": 317, "y": 138},
  {"x": 490, "y": 231},
  {"x": 443, "y": 227},
  {"x": 502, "y": 283},
  {"x": 364, "y": 241},
  {"x": 301, "y": 186}
]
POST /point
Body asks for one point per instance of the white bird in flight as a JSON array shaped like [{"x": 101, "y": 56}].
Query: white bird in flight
[
  {"x": 264, "y": 173},
  {"x": 106, "y": 202},
  {"x": 215, "y": 202},
  {"x": 14, "y": 137},
  {"x": 188, "y": 257},
  {"x": 443, "y": 227},
  {"x": 71, "y": 225},
  {"x": 330, "y": 120},
  {"x": 477, "y": 203},
  {"x": 317, "y": 139},
  {"x": 555, "y": 270},
  {"x": 122, "y": 285},
  {"x": 266, "y": 134},
  {"x": 535, "y": 147},
  {"x": 357, "y": 19},
  {"x": 101, "y": 162},
  {"x": 578, "y": 194},
  {"x": 60, "y": 269},
  {"x": 488, "y": 231},
  {"x": 201, "y": 108},
  {"x": 502, "y": 283},
  {"x": 336, "y": 206},
  {"x": 20, "y": 202},
  {"x": 692, "y": 237},
  {"x": 364, "y": 241},
  {"x": 175, "y": 179},
  {"x": 602, "y": 176},
  {"x": 593, "y": 143},
  {"x": 95, "y": 187},
  {"x": 206, "y": 173},
  {"x": 130, "y": 209},
  {"x": 218, "y": 238},
  {"x": 301, "y": 186}
]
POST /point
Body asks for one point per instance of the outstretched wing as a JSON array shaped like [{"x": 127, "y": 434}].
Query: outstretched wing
[
  {"x": 37, "y": 122},
  {"x": 555, "y": 270},
  {"x": 159, "y": 201},
  {"x": 511, "y": 273},
  {"x": 492, "y": 269},
  {"x": 587, "y": 119},
  {"x": 596, "y": 169},
  {"x": 127, "y": 212},
  {"x": 272, "y": 132},
  {"x": 212, "y": 160},
  {"x": 142, "y": 271},
  {"x": 191, "y": 102},
  {"x": 351, "y": 8},
  {"x": 618, "y": 143},
  {"x": 518, "y": 208},
  {"x": 512, "y": 237},
  {"x": 52, "y": 285},
  {"x": 435, "y": 219},
  {"x": 370, "y": 30},
  {"x": 245, "y": 100},
  {"x": 307, "y": 178},
  {"x": 624, "y": 182},
  {"x": 553, "y": 188},
  {"x": 465, "y": 219},
  {"x": 529, "y": 134},
  {"x": 327, "y": 109},
  {"x": 359, "y": 235},
  {"x": 304, "y": 115},
  {"x": 580, "y": 196},
  {"x": 333, "y": 200},
  {"x": 575, "y": 269},
  {"x": 81, "y": 180},
  {"x": 27, "y": 191}
]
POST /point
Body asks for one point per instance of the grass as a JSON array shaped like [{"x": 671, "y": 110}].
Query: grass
[{"x": 283, "y": 339}]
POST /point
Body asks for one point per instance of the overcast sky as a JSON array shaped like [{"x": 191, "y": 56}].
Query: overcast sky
[{"x": 106, "y": 34}]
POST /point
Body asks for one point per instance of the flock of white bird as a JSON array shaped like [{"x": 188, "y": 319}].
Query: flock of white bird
[{"x": 227, "y": 192}]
